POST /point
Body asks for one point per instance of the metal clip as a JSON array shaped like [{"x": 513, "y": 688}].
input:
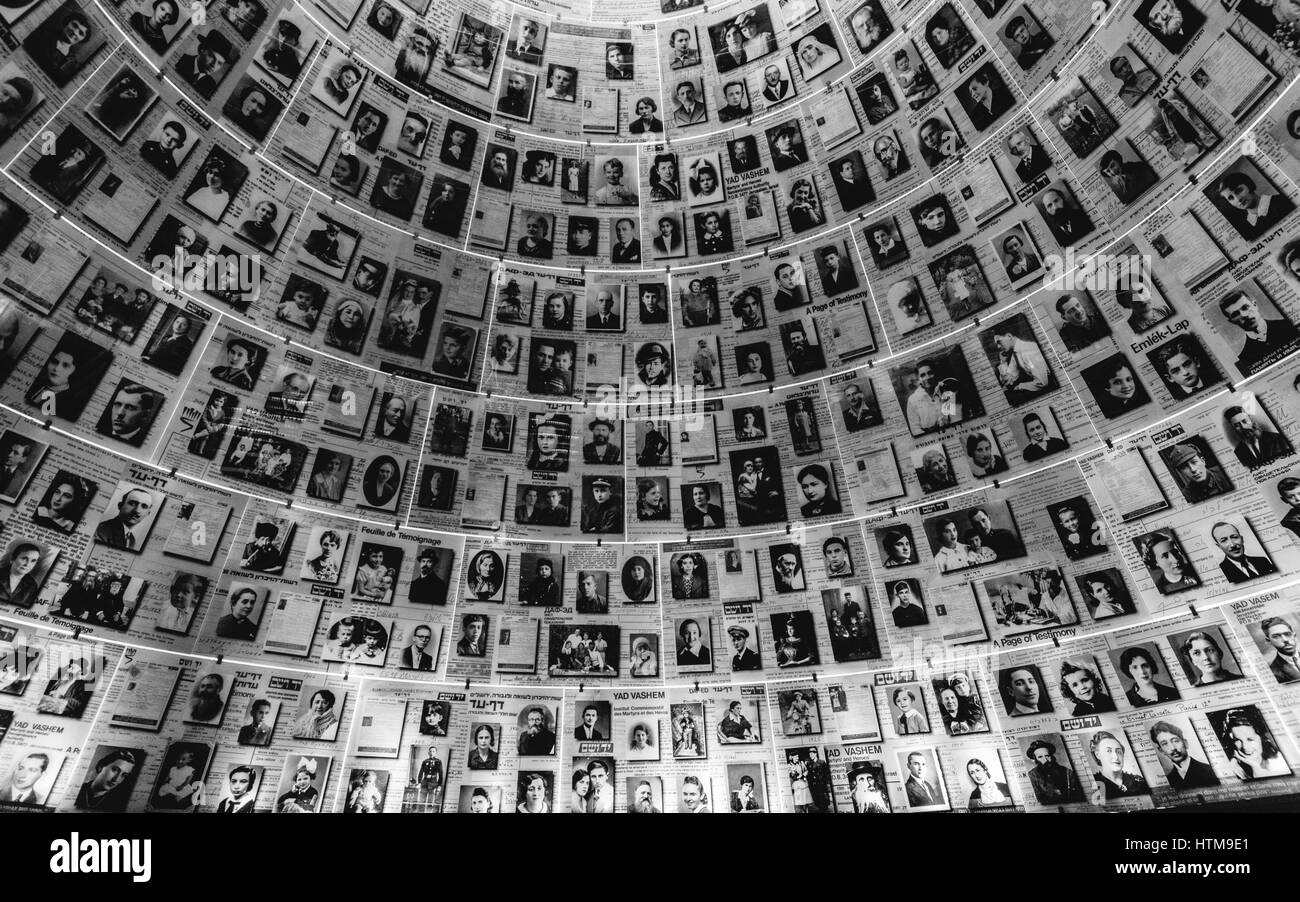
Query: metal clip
[
  {"x": 288, "y": 505},
  {"x": 814, "y": 676},
  {"x": 1191, "y": 607},
  {"x": 220, "y": 658},
  {"x": 893, "y": 510},
  {"x": 489, "y": 394},
  {"x": 1191, "y": 177},
  {"x": 581, "y": 686},
  {"x": 788, "y": 527},
  {"x": 1056, "y": 641},
  {"x": 172, "y": 474},
  {"x": 467, "y": 685},
  {"x": 599, "y": 541},
  {"x": 1110, "y": 445},
  {"x": 47, "y": 424},
  {"x": 697, "y": 685},
  {"x": 996, "y": 484},
  {"x": 76, "y": 633}
]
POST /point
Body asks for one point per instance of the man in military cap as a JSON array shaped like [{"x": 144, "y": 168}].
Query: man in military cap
[
  {"x": 603, "y": 513},
  {"x": 1199, "y": 480},
  {"x": 745, "y": 657}
]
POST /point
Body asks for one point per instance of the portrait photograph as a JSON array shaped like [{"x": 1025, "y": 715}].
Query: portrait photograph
[
  {"x": 644, "y": 661},
  {"x": 1166, "y": 561},
  {"x": 1245, "y": 197},
  {"x": 982, "y": 779},
  {"x": 907, "y": 709},
  {"x": 922, "y": 780},
  {"x": 123, "y": 102},
  {"x": 24, "y": 569},
  {"x": 687, "y": 720},
  {"x": 800, "y": 712},
  {"x": 179, "y": 785},
  {"x": 1144, "y": 675},
  {"x": 111, "y": 778},
  {"x": 1205, "y": 656},
  {"x": 20, "y": 457},
  {"x": 885, "y": 241},
  {"x": 485, "y": 576},
  {"x": 67, "y": 39},
  {"x": 1179, "y": 752},
  {"x": 302, "y": 783},
  {"x": 1024, "y": 691},
  {"x": 1253, "y": 751},
  {"x": 1105, "y": 593},
  {"x": 694, "y": 638}
]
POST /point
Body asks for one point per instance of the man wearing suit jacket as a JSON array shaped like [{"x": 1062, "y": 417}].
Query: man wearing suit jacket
[
  {"x": 524, "y": 47},
  {"x": 428, "y": 587},
  {"x": 836, "y": 276},
  {"x": 1186, "y": 772},
  {"x": 603, "y": 318},
  {"x": 1285, "y": 662},
  {"x": 1236, "y": 565},
  {"x": 14, "y": 463},
  {"x": 587, "y": 729},
  {"x": 414, "y": 656},
  {"x": 920, "y": 791},
  {"x": 126, "y": 531},
  {"x": 535, "y": 738},
  {"x": 1255, "y": 447},
  {"x": 22, "y": 786},
  {"x": 1032, "y": 159}
]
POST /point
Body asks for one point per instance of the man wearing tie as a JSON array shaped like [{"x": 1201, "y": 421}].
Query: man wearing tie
[
  {"x": 604, "y": 318},
  {"x": 414, "y": 656},
  {"x": 22, "y": 786},
  {"x": 1255, "y": 447},
  {"x": 587, "y": 729},
  {"x": 124, "y": 531},
  {"x": 1285, "y": 663},
  {"x": 1236, "y": 565},
  {"x": 920, "y": 792}
]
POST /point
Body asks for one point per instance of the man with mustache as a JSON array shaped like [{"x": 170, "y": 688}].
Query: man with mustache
[
  {"x": 1255, "y": 446},
  {"x": 1266, "y": 339},
  {"x": 1236, "y": 565}
]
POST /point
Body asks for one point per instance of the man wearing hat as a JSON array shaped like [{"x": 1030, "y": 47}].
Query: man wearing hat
[
  {"x": 603, "y": 513},
  {"x": 599, "y": 450},
  {"x": 1031, "y": 44},
  {"x": 867, "y": 797},
  {"x": 428, "y": 587},
  {"x": 542, "y": 589},
  {"x": 745, "y": 657},
  {"x": 1199, "y": 480},
  {"x": 261, "y": 554},
  {"x": 652, "y": 364},
  {"x": 205, "y": 68}
]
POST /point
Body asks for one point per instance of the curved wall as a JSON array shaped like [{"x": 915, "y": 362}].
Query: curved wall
[{"x": 823, "y": 390}]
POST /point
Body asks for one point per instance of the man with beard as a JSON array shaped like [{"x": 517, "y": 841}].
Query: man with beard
[
  {"x": 1255, "y": 446},
  {"x": 1285, "y": 662},
  {"x": 1184, "y": 771},
  {"x": 516, "y": 100},
  {"x": 126, "y": 531},
  {"x": 802, "y": 357},
  {"x": 536, "y": 739},
  {"x": 1236, "y": 565},
  {"x": 787, "y": 573},
  {"x": 1199, "y": 480},
  {"x": 206, "y": 703},
  {"x": 542, "y": 589},
  {"x": 1053, "y": 783},
  {"x": 414, "y": 59},
  {"x": 643, "y": 801},
  {"x": 1067, "y": 222},
  {"x": 599, "y": 450},
  {"x": 428, "y": 587},
  {"x": 1266, "y": 339}
]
